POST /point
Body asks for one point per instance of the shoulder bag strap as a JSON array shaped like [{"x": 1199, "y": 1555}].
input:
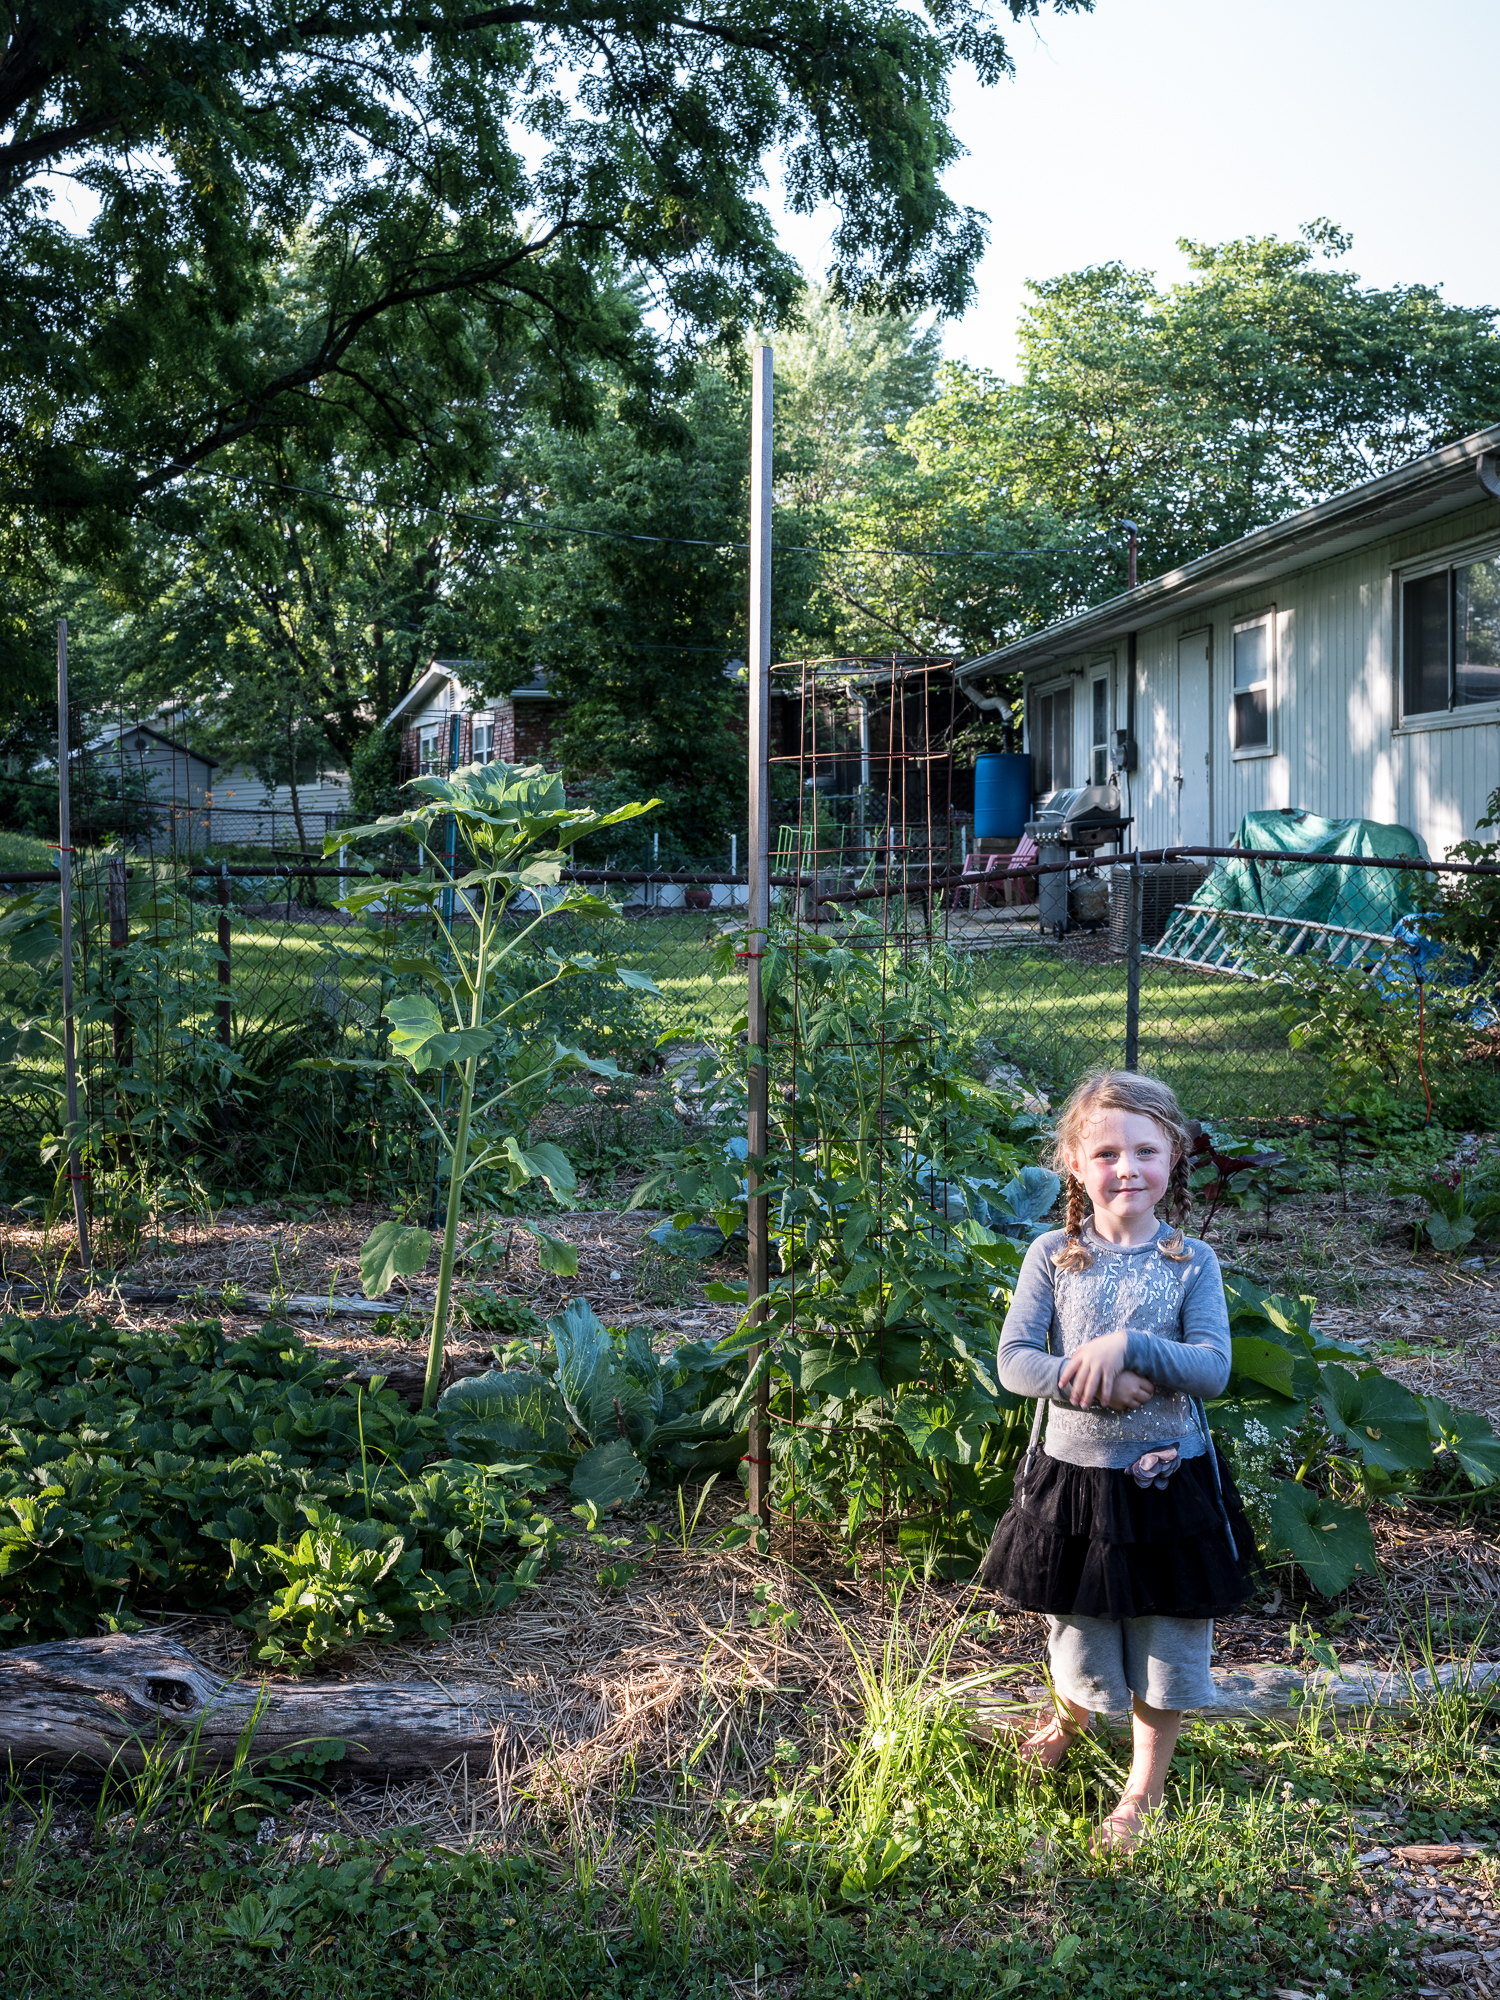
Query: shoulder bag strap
[
  {"x": 1213, "y": 1465},
  {"x": 1036, "y": 1431}
]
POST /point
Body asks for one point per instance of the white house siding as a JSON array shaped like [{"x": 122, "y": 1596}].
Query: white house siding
[
  {"x": 1339, "y": 748},
  {"x": 241, "y": 811}
]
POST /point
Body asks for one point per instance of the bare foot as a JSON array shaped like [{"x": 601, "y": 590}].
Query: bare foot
[
  {"x": 1050, "y": 1741},
  {"x": 1125, "y": 1827}
]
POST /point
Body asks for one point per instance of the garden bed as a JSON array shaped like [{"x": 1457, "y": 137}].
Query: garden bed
[{"x": 687, "y": 1706}]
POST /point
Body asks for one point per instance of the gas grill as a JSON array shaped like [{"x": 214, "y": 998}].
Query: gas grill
[{"x": 1073, "y": 819}]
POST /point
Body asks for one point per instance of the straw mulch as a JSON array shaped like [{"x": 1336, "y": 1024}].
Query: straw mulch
[{"x": 688, "y": 1688}]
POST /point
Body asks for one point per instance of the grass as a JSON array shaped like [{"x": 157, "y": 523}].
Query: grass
[
  {"x": 1220, "y": 1043},
  {"x": 23, "y": 852},
  {"x": 918, "y": 1864}
]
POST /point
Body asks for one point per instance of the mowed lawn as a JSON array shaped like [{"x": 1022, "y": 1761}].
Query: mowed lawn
[{"x": 1220, "y": 1043}]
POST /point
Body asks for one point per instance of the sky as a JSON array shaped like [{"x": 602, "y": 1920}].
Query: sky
[{"x": 1148, "y": 120}]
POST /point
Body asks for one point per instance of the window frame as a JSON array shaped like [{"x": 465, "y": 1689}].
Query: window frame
[
  {"x": 430, "y": 749},
  {"x": 1267, "y": 617},
  {"x": 1437, "y": 562},
  {"x": 477, "y": 723},
  {"x": 1101, "y": 672},
  {"x": 1039, "y": 692}
]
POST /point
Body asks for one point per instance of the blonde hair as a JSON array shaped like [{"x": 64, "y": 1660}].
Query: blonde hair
[{"x": 1121, "y": 1090}]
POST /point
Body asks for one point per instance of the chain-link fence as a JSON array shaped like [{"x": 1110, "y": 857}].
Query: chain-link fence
[
  {"x": 1265, "y": 988},
  {"x": 1261, "y": 986}
]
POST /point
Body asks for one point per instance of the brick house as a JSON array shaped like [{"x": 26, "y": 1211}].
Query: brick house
[{"x": 445, "y": 723}]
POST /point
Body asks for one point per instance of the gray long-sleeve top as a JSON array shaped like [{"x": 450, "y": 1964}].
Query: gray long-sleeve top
[{"x": 1178, "y": 1327}]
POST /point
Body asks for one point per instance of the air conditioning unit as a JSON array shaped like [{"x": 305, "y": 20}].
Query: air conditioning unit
[{"x": 1163, "y": 886}]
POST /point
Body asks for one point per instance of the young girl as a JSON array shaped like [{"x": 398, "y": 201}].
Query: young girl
[{"x": 1125, "y": 1527}]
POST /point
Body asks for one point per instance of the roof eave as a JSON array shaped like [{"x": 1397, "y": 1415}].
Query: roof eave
[{"x": 1447, "y": 473}]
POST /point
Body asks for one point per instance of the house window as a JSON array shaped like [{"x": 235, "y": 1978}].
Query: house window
[
  {"x": 1450, "y": 638},
  {"x": 1099, "y": 732},
  {"x": 1052, "y": 740},
  {"x": 483, "y": 739},
  {"x": 1254, "y": 650},
  {"x": 430, "y": 760}
]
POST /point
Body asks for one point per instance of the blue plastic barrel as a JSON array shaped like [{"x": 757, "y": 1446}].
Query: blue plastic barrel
[{"x": 1002, "y": 795}]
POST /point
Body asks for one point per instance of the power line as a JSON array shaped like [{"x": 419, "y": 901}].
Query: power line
[{"x": 1102, "y": 537}]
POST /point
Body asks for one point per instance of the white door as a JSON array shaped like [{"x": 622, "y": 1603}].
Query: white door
[{"x": 1193, "y": 778}]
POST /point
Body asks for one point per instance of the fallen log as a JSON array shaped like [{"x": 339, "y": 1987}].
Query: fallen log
[
  {"x": 96, "y": 1701},
  {"x": 1263, "y": 1694}
]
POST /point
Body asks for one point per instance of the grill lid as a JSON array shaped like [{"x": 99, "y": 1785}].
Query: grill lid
[{"x": 1074, "y": 806}]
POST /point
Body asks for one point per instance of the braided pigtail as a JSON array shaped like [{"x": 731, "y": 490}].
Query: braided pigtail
[
  {"x": 1179, "y": 1207},
  {"x": 1074, "y": 1256}
]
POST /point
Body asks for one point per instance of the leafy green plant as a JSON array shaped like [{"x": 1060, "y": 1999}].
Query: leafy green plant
[
  {"x": 1462, "y": 1196},
  {"x": 897, "y": 1216},
  {"x": 152, "y": 1083},
  {"x": 466, "y": 1016},
  {"x": 1317, "y": 1438},
  {"x": 488, "y": 1311},
  {"x": 629, "y": 1407},
  {"x": 192, "y": 1472}
]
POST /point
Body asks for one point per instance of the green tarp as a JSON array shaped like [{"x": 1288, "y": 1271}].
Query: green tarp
[{"x": 1363, "y": 899}]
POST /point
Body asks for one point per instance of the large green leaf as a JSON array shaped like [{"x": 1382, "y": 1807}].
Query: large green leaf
[
  {"x": 1375, "y": 1417},
  {"x": 1467, "y": 1435},
  {"x": 540, "y": 1162},
  {"x": 949, "y": 1427},
  {"x": 391, "y": 1250},
  {"x": 418, "y": 1034},
  {"x": 554, "y": 1253},
  {"x": 585, "y": 1361},
  {"x": 414, "y": 1020},
  {"x": 1330, "y": 1542},
  {"x": 1447, "y": 1236},
  {"x": 837, "y": 1368},
  {"x": 1266, "y": 1362},
  {"x": 510, "y": 1409},
  {"x": 610, "y": 1475}
]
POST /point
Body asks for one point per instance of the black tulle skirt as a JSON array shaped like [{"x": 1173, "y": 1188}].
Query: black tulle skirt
[{"x": 1086, "y": 1540}]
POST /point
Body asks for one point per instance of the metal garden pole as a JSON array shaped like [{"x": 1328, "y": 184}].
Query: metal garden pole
[
  {"x": 119, "y": 938},
  {"x": 65, "y": 875},
  {"x": 758, "y": 916},
  {"x": 1133, "y": 966}
]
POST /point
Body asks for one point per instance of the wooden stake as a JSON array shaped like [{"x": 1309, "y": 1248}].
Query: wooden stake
[
  {"x": 65, "y": 876},
  {"x": 758, "y": 1448}
]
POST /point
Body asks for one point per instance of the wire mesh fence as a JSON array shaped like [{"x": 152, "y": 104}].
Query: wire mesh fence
[
  {"x": 1256, "y": 983},
  {"x": 202, "y": 984},
  {"x": 1264, "y": 984}
]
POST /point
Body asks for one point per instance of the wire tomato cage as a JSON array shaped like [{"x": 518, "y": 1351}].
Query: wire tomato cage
[{"x": 859, "y": 988}]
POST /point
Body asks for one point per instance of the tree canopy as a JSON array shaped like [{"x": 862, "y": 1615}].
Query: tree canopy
[
  {"x": 1267, "y": 379},
  {"x": 322, "y": 220}
]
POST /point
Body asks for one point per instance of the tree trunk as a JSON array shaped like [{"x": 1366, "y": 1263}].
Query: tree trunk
[
  {"x": 89, "y": 1701},
  {"x": 291, "y": 785}
]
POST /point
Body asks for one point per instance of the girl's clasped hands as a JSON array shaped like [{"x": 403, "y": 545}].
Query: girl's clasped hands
[{"x": 1096, "y": 1372}]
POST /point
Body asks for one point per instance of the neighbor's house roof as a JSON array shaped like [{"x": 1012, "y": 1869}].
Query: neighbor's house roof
[
  {"x": 119, "y": 731},
  {"x": 1439, "y": 483},
  {"x": 448, "y": 673},
  {"x": 426, "y": 685}
]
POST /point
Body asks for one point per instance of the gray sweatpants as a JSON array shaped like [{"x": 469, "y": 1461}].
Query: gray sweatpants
[{"x": 1101, "y": 1662}]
